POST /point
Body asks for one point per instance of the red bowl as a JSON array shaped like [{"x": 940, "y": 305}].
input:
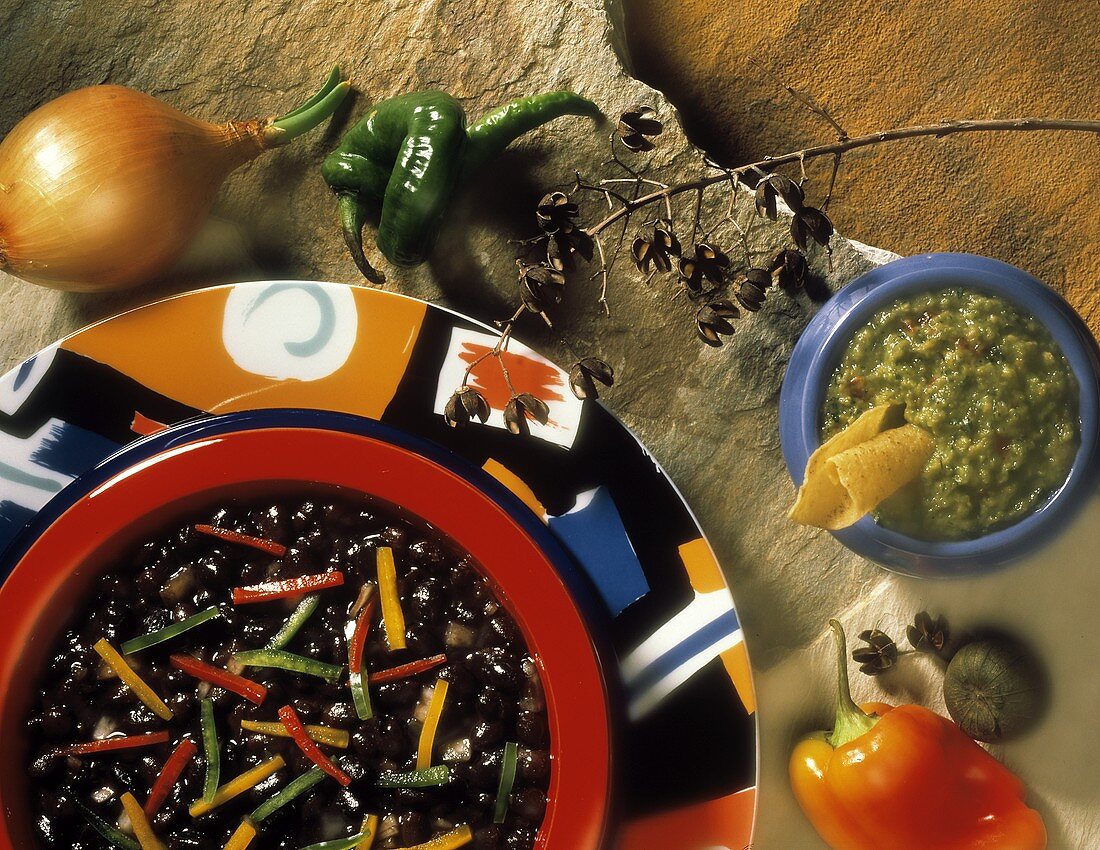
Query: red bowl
[{"x": 63, "y": 562}]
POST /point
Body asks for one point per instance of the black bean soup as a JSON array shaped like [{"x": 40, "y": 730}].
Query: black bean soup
[{"x": 484, "y": 780}]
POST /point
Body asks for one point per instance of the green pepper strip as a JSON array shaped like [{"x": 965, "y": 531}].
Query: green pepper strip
[
  {"x": 168, "y": 632},
  {"x": 281, "y": 660},
  {"x": 340, "y": 843},
  {"x": 360, "y": 693},
  {"x": 440, "y": 774},
  {"x": 360, "y": 696},
  {"x": 507, "y": 780},
  {"x": 295, "y": 621},
  {"x": 110, "y": 833},
  {"x": 294, "y": 788},
  {"x": 210, "y": 751}
]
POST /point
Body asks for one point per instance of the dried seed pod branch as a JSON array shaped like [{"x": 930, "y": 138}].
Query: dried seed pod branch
[
  {"x": 506, "y": 329},
  {"x": 832, "y": 182},
  {"x": 602, "y": 273},
  {"x": 807, "y": 100},
  {"x": 467, "y": 403},
  {"x": 703, "y": 269},
  {"x": 937, "y": 130}
]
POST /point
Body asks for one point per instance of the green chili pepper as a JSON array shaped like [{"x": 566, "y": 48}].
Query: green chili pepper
[
  {"x": 210, "y": 751},
  {"x": 340, "y": 843},
  {"x": 408, "y": 155},
  {"x": 507, "y": 780},
  {"x": 281, "y": 660},
  {"x": 440, "y": 774},
  {"x": 295, "y": 788},
  {"x": 168, "y": 632},
  {"x": 295, "y": 621},
  {"x": 111, "y": 834}
]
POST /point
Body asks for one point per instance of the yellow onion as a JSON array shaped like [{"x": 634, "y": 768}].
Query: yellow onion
[{"x": 105, "y": 187}]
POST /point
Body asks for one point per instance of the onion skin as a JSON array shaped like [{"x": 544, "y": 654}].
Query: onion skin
[{"x": 105, "y": 187}]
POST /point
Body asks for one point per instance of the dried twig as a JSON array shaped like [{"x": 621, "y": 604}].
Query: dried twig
[
  {"x": 939, "y": 130},
  {"x": 808, "y": 101},
  {"x": 708, "y": 273}
]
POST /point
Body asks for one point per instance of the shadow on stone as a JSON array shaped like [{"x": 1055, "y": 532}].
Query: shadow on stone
[
  {"x": 341, "y": 121},
  {"x": 501, "y": 200}
]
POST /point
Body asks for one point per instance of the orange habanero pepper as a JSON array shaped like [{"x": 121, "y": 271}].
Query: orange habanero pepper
[{"x": 907, "y": 780}]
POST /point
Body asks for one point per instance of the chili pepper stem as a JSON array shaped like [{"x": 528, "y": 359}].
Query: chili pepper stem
[
  {"x": 851, "y": 721},
  {"x": 318, "y": 108},
  {"x": 494, "y": 131}
]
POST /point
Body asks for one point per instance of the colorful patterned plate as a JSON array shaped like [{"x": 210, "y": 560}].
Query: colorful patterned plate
[{"x": 686, "y": 752}]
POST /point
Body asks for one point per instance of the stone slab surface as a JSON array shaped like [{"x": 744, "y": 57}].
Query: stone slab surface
[{"x": 709, "y": 416}]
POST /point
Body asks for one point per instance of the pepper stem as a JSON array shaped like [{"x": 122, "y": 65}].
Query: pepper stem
[
  {"x": 493, "y": 132},
  {"x": 293, "y": 124},
  {"x": 851, "y": 720}
]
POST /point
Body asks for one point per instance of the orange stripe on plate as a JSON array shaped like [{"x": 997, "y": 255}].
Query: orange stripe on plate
[
  {"x": 736, "y": 661},
  {"x": 517, "y": 485},
  {"x": 527, "y": 374},
  {"x": 706, "y": 577},
  {"x": 722, "y": 824},
  {"x": 175, "y": 347},
  {"x": 145, "y": 426},
  {"x": 702, "y": 567}
]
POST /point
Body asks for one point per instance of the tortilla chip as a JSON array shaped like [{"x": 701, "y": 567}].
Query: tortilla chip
[
  {"x": 861, "y": 466},
  {"x": 819, "y": 491}
]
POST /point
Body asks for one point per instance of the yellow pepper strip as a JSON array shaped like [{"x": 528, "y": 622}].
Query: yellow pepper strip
[
  {"x": 242, "y": 837},
  {"x": 338, "y": 738},
  {"x": 143, "y": 832},
  {"x": 132, "y": 680},
  {"x": 431, "y": 724},
  {"x": 235, "y": 787},
  {"x": 449, "y": 841},
  {"x": 370, "y": 832},
  {"x": 392, "y": 615}
]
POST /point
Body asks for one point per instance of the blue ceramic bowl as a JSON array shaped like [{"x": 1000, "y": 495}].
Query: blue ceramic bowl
[{"x": 822, "y": 346}]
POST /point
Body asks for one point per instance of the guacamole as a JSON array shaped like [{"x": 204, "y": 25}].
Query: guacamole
[{"x": 991, "y": 386}]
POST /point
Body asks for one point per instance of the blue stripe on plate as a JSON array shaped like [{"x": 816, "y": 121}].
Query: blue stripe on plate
[
  {"x": 13, "y": 518},
  {"x": 71, "y": 450},
  {"x": 23, "y": 478},
  {"x": 721, "y": 626},
  {"x": 23, "y": 372},
  {"x": 597, "y": 539}
]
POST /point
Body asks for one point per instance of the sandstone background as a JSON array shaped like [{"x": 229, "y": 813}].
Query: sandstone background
[
  {"x": 1027, "y": 199},
  {"x": 709, "y": 416}
]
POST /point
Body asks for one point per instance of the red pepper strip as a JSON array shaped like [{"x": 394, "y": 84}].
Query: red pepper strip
[
  {"x": 288, "y": 587},
  {"x": 269, "y": 546},
  {"x": 359, "y": 637},
  {"x": 169, "y": 776},
  {"x": 107, "y": 744},
  {"x": 293, "y": 725},
  {"x": 251, "y": 691},
  {"x": 405, "y": 671}
]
